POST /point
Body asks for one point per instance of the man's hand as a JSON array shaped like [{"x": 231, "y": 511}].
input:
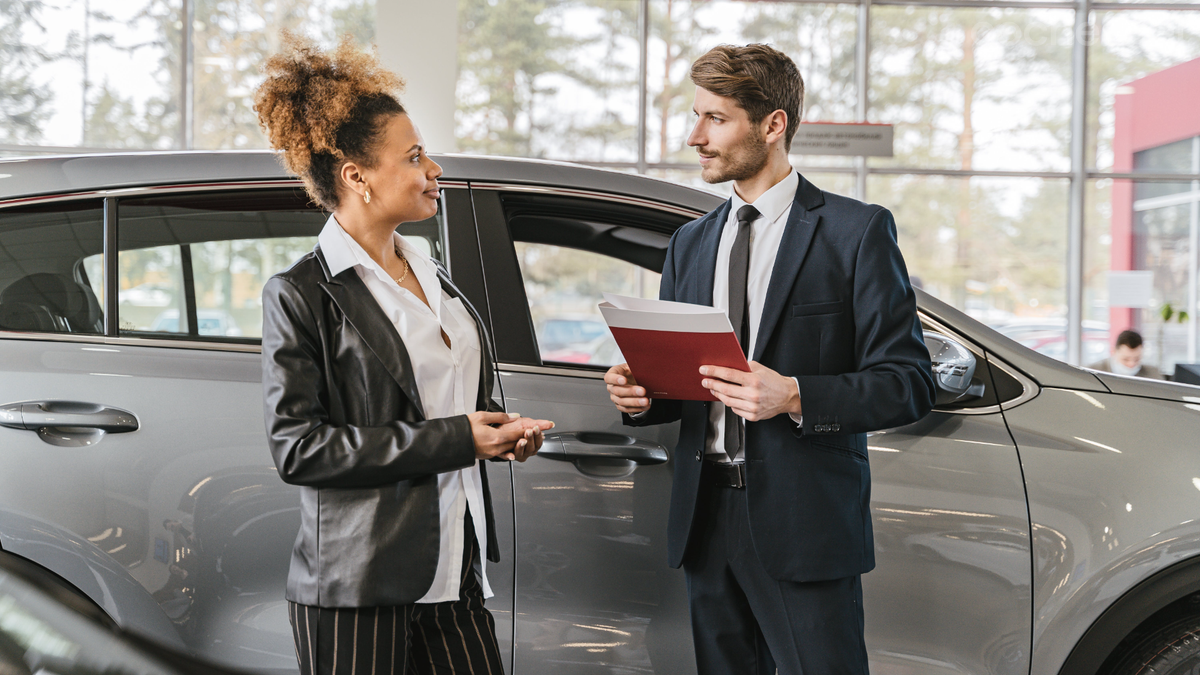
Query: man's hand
[
  {"x": 757, "y": 395},
  {"x": 624, "y": 390}
]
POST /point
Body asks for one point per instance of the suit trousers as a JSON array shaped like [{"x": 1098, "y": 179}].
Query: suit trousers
[
  {"x": 743, "y": 621},
  {"x": 417, "y": 639}
]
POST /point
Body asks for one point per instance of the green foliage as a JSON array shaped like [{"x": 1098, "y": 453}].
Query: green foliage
[{"x": 24, "y": 104}]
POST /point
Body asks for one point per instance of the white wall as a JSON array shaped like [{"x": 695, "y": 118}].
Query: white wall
[{"x": 418, "y": 39}]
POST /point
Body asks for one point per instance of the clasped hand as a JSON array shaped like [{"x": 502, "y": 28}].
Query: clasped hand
[
  {"x": 507, "y": 435},
  {"x": 757, "y": 395}
]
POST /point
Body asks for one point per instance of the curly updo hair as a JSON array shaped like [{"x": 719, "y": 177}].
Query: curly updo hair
[{"x": 323, "y": 109}]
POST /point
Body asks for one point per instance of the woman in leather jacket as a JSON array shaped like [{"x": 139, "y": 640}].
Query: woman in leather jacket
[{"x": 377, "y": 379}]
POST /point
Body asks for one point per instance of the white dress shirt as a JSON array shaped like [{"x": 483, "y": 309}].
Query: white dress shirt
[
  {"x": 766, "y": 232},
  {"x": 447, "y": 381}
]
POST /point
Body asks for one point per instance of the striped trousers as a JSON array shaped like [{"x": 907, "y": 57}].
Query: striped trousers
[{"x": 417, "y": 639}]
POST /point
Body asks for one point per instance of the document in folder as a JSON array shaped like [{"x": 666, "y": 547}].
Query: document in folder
[{"x": 665, "y": 344}]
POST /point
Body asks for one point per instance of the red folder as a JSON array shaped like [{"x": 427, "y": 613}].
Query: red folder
[{"x": 665, "y": 343}]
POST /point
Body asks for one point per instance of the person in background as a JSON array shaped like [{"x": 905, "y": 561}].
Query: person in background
[{"x": 1127, "y": 358}]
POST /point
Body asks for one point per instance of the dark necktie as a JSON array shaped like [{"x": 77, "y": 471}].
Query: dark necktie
[{"x": 739, "y": 266}]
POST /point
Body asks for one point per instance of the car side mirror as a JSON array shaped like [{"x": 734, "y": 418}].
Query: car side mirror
[{"x": 953, "y": 368}]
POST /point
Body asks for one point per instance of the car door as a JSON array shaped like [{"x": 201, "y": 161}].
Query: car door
[
  {"x": 593, "y": 592},
  {"x": 187, "y": 505}
]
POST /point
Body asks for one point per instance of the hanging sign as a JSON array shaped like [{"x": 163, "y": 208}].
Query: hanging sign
[
  {"x": 1130, "y": 288},
  {"x": 830, "y": 138}
]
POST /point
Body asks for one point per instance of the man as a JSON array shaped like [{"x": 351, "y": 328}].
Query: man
[
  {"x": 770, "y": 507},
  {"x": 1127, "y": 358}
]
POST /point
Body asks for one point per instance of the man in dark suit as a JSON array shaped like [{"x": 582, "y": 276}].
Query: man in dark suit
[{"x": 770, "y": 510}]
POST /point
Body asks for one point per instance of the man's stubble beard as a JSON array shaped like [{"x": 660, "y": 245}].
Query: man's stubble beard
[{"x": 744, "y": 161}]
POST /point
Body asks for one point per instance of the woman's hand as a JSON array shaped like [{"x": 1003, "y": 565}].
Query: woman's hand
[
  {"x": 531, "y": 440},
  {"x": 506, "y": 435}
]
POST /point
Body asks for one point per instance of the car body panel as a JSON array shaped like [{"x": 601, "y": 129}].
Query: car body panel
[
  {"x": 90, "y": 570},
  {"x": 1112, "y": 502},
  {"x": 593, "y": 589},
  {"x": 189, "y": 504},
  {"x": 950, "y": 592}
]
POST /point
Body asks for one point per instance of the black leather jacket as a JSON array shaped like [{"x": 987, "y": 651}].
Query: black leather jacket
[{"x": 345, "y": 422}]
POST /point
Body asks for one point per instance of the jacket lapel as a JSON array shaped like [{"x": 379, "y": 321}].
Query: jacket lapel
[
  {"x": 357, "y": 304},
  {"x": 797, "y": 236},
  {"x": 710, "y": 239}
]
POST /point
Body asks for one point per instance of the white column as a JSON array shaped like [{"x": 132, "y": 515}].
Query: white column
[{"x": 418, "y": 40}]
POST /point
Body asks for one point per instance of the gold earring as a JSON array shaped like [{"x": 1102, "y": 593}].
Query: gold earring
[{"x": 367, "y": 195}]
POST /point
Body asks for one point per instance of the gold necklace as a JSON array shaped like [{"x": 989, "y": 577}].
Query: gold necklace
[{"x": 400, "y": 279}]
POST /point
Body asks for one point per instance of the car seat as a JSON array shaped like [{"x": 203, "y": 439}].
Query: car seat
[{"x": 52, "y": 303}]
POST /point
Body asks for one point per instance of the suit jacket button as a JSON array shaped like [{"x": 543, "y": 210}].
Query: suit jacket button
[
  {"x": 699, "y": 455},
  {"x": 820, "y": 428},
  {"x": 837, "y": 427}
]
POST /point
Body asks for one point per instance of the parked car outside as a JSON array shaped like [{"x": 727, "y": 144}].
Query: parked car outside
[
  {"x": 1040, "y": 521},
  {"x": 559, "y": 333},
  {"x": 208, "y": 322}
]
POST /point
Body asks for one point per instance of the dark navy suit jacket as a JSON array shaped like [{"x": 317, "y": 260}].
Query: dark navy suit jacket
[{"x": 840, "y": 316}]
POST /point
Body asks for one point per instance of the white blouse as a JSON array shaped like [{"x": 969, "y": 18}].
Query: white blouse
[{"x": 447, "y": 381}]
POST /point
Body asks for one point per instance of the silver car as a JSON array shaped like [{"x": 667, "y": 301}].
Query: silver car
[{"x": 1044, "y": 519}]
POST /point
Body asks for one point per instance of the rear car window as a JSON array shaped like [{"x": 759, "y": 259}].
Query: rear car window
[
  {"x": 193, "y": 266},
  {"x": 51, "y": 279}
]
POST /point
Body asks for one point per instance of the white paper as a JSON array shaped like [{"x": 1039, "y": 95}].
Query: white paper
[{"x": 622, "y": 311}]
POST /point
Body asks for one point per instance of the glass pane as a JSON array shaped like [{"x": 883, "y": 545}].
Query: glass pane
[
  {"x": 994, "y": 248},
  {"x": 973, "y": 88},
  {"x": 548, "y": 79},
  {"x": 564, "y": 287},
  {"x": 231, "y": 41},
  {"x": 232, "y": 243},
  {"x": 1150, "y": 228},
  {"x": 98, "y": 74},
  {"x": 1142, "y": 66},
  {"x": 151, "y": 294},
  {"x": 44, "y": 287},
  {"x": 820, "y": 38}
]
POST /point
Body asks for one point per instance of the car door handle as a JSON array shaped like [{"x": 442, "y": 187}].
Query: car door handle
[
  {"x": 36, "y": 415},
  {"x": 572, "y": 446}
]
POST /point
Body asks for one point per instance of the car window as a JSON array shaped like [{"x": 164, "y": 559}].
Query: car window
[
  {"x": 564, "y": 286},
  {"x": 195, "y": 265},
  {"x": 45, "y": 285},
  {"x": 572, "y": 250}
]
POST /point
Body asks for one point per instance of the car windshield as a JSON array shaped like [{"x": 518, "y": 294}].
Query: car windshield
[{"x": 40, "y": 636}]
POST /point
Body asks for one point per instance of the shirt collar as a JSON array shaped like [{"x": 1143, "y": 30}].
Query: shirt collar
[
  {"x": 772, "y": 203},
  {"x": 342, "y": 252}
]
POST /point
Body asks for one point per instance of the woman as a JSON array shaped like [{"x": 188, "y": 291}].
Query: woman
[{"x": 377, "y": 379}]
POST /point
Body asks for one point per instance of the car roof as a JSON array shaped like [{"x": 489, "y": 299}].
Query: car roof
[{"x": 69, "y": 174}]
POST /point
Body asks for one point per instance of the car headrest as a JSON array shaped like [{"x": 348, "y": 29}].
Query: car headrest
[{"x": 61, "y": 296}]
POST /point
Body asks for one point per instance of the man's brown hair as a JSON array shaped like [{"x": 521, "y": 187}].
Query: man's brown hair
[{"x": 760, "y": 78}]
